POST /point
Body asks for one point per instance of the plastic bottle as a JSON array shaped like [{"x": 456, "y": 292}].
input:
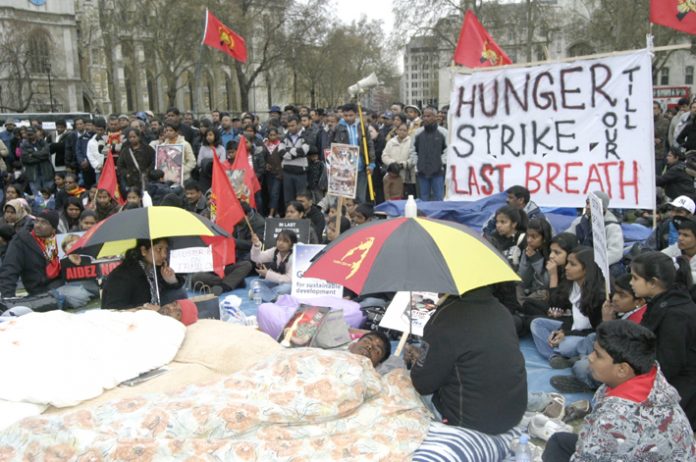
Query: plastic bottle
[
  {"x": 256, "y": 292},
  {"x": 410, "y": 209},
  {"x": 523, "y": 452}
]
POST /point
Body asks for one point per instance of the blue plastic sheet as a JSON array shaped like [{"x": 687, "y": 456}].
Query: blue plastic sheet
[{"x": 475, "y": 214}]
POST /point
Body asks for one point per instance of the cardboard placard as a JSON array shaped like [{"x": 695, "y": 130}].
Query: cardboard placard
[
  {"x": 170, "y": 159},
  {"x": 310, "y": 287},
  {"x": 397, "y": 315},
  {"x": 276, "y": 225},
  {"x": 191, "y": 260},
  {"x": 342, "y": 170}
]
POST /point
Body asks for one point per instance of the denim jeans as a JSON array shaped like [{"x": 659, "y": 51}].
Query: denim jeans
[
  {"x": 571, "y": 345},
  {"x": 272, "y": 290},
  {"x": 581, "y": 368},
  {"x": 293, "y": 184},
  {"x": 274, "y": 184},
  {"x": 431, "y": 188}
]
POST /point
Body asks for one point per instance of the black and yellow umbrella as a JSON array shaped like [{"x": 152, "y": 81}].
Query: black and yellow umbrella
[
  {"x": 119, "y": 232},
  {"x": 411, "y": 254}
]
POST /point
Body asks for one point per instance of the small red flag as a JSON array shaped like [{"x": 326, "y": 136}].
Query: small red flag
[
  {"x": 241, "y": 162},
  {"x": 108, "y": 180},
  {"x": 676, "y": 14},
  {"x": 476, "y": 47},
  {"x": 217, "y": 35},
  {"x": 226, "y": 212},
  {"x": 225, "y": 209}
]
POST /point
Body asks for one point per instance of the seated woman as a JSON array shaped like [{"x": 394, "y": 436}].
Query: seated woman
[
  {"x": 16, "y": 213},
  {"x": 557, "y": 340},
  {"x": 277, "y": 276},
  {"x": 133, "y": 282},
  {"x": 509, "y": 236},
  {"x": 70, "y": 215},
  {"x": 294, "y": 210}
]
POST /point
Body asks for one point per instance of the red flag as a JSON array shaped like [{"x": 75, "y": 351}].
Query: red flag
[
  {"x": 225, "y": 209},
  {"x": 224, "y": 252},
  {"x": 476, "y": 47},
  {"x": 226, "y": 212},
  {"x": 108, "y": 180},
  {"x": 676, "y": 14},
  {"x": 217, "y": 35},
  {"x": 241, "y": 162}
]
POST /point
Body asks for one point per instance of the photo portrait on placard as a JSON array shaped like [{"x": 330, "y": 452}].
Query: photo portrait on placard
[{"x": 170, "y": 159}]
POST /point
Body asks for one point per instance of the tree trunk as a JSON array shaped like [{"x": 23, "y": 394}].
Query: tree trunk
[
  {"x": 243, "y": 86},
  {"x": 171, "y": 92},
  {"x": 269, "y": 91},
  {"x": 294, "y": 87},
  {"x": 530, "y": 29},
  {"x": 313, "y": 95}
]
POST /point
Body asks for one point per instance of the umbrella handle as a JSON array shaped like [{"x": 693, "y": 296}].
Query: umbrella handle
[{"x": 154, "y": 267}]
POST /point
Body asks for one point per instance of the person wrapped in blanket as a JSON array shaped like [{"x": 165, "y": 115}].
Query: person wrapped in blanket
[
  {"x": 277, "y": 276},
  {"x": 636, "y": 414}
]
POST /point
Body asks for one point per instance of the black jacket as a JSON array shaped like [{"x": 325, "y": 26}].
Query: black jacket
[
  {"x": 242, "y": 234},
  {"x": 127, "y": 287},
  {"x": 25, "y": 259},
  {"x": 687, "y": 137},
  {"x": 430, "y": 144},
  {"x": 315, "y": 215},
  {"x": 672, "y": 317},
  {"x": 676, "y": 182},
  {"x": 472, "y": 364}
]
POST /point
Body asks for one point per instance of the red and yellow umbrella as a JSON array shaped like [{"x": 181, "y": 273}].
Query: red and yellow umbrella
[{"x": 411, "y": 254}]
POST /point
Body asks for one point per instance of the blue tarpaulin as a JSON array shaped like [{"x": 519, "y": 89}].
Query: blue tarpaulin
[{"x": 475, "y": 214}]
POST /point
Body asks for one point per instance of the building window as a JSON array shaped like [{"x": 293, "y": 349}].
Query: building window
[
  {"x": 689, "y": 75},
  {"x": 39, "y": 58},
  {"x": 415, "y": 85},
  {"x": 664, "y": 76}
]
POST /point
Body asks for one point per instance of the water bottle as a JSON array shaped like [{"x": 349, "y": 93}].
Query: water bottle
[
  {"x": 411, "y": 209},
  {"x": 523, "y": 452},
  {"x": 256, "y": 292}
]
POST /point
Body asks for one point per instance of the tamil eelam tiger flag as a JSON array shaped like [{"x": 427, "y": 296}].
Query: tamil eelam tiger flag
[
  {"x": 226, "y": 212},
  {"x": 217, "y": 35},
  {"x": 675, "y": 14},
  {"x": 108, "y": 181},
  {"x": 476, "y": 47}
]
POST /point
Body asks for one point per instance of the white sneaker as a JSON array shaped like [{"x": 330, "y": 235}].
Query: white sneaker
[{"x": 542, "y": 427}]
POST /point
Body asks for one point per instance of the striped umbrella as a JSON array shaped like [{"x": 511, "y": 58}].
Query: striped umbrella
[
  {"x": 119, "y": 232},
  {"x": 411, "y": 254}
]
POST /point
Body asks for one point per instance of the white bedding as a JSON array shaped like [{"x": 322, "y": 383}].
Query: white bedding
[{"x": 62, "y": 359}]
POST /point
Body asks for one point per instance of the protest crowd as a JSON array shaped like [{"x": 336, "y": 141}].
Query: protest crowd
[
  {"x": 54, "y": 184},
  {"x": 169, "y": 283}
]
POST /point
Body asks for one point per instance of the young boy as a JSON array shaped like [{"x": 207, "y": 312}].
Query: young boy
[{"x": 636, "y": 413}]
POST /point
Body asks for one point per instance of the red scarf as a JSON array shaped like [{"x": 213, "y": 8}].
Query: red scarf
[{"x": 49, "y": 249}]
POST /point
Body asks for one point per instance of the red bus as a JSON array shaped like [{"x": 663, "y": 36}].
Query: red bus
[{"x": 669, "y": 96}]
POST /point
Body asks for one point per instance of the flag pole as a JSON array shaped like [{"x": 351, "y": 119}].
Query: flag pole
[{"x": 366, "y": 154}]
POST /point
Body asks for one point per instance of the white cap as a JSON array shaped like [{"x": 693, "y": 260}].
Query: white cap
[{"x": 684, "y": 202}]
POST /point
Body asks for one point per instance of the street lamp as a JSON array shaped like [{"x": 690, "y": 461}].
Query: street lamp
[{"x": 50, "y": 87}]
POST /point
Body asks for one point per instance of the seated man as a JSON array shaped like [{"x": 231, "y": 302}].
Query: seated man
[
  {"x": 686, "y": 242},
  {"x": 636, "y": 413},
  {"x": 666, "y": 233},
  {"x": 471, "y": 364},
  {"x": 33, "y": 256}
]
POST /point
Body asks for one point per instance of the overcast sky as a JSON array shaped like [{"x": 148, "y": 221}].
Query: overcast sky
[{"x": 349, "y": 10}]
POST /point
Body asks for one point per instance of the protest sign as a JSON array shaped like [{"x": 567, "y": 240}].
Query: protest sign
[
  {"x": 342, "y": 170},
  {"x": 192, "y": 260},
  {"x": 276, "y": 225},
  {"x": 107, "y": 266},
  {"x": 81, "y": 267},
  {"x": 421, "y": 304},
  {"x": 559, "y": 129},
  {"x": 310, "y": 287},
  {"x": 61, "y": 237},
  {"x": 599, "y": 238},
  {"x": 170, "y": 159}
]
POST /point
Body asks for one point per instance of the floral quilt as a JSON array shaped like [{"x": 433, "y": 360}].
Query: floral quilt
[{"x": 297, "y": 405}]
